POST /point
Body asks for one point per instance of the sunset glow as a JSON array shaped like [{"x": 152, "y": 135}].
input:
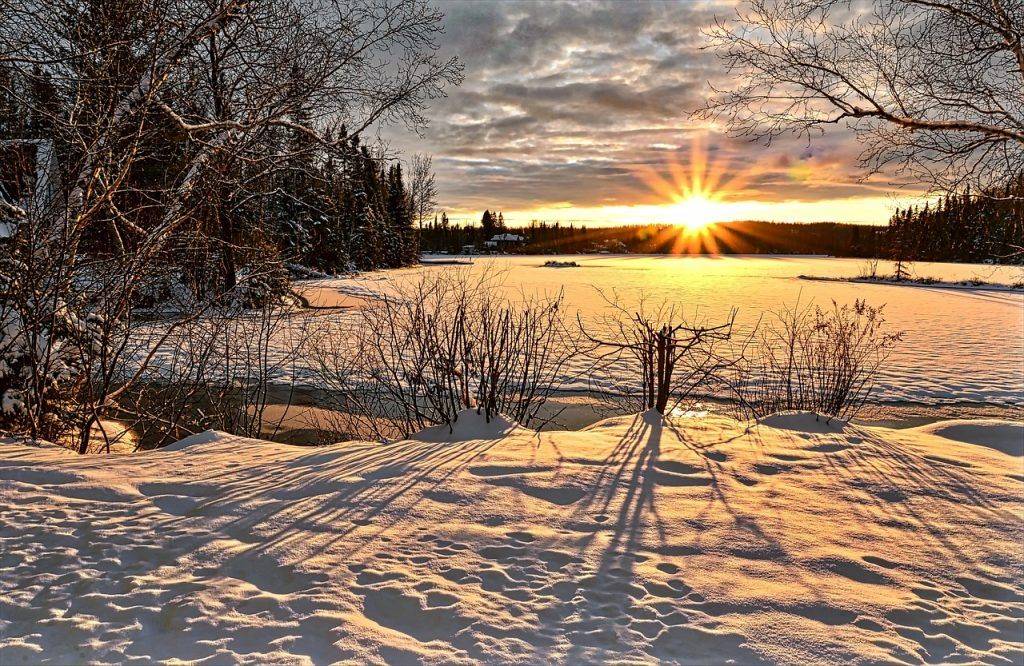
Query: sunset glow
[
  {"x": 693, "y": 188},
  {"x": 694, "y": 212},
  {"x": 697, "y": 186}
]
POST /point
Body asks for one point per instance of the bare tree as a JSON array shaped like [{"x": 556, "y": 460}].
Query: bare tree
[
  {"x": 659, "y": 358},
  {"x": 422, "y": 189},
  {"x": 933, "y": 85},
  {"x": 166, "y": 116}
]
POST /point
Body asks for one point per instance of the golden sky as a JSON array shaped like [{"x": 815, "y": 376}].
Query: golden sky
[{"x": 580, "y": 112}]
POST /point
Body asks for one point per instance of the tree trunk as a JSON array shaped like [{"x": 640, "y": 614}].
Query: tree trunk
[
  {"x": 664, "y": 373},
  {"x": 228, "y": 263}
]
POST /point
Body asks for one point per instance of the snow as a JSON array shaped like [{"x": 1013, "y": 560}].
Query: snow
[
  {"x": 970, "y": 285},
  {"x": 469, "y": 424},
  {"x": 700, "y": 540},
  {"x": 960, "y": 346},
  {"x": 24, "y": 443},
  {"x": 803, "y": 422},
  {"x": 361, "y": 286},
  {"x": 999, "y": 435},
  {"x": 445, "y": 260},
  {"x": 301, "y": 272},
  {"x": 205, "y": 437}
]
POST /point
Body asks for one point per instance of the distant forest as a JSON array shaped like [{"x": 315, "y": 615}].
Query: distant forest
[
  {"x": 727, "y": 238},
  {"x": 960, "y": 228},
  {"x": 285, "y": 198}
]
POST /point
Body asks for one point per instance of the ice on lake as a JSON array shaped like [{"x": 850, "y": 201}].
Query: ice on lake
[{"x": 959, "y": 345}]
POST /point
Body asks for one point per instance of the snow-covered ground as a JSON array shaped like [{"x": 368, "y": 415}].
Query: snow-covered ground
[
  {"x": 705, "y": 540},
  {"x": 959, "y": 345}
]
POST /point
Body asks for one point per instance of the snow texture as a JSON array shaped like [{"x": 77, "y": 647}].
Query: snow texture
[
  {"x": 701, "y": 541},
  {"x": 999, "y": 435},
  {"x": 960, "y": 346}
]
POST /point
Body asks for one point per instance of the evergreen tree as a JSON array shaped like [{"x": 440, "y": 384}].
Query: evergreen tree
[
  {"x": 298, "y": 200},
  {"x": 488, "y": 224},
  {"x": 962, "y": 227},
  {"x": 401, "y": 244}
]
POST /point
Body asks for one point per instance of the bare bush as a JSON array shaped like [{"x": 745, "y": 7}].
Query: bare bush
[
  {"x": 77, "y": 363},
  {"x": 809, "y": 358},
  {"x": 174, "y": 398},
  {"x": 350, "y": 401},
  {"x": 255, "y": 351},
  {"x": 869, "y": 269},
  {"x": 661, "y": 360},
  {"x": 67, "y": 344},
  {"x": 520, "y": 352},
  {"x": 445, "y": 343},
  {"x": 149, "y": 383},
  {"x": 238, "y": 360}
]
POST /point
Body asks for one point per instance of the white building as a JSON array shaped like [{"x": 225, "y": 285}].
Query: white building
[{"x": 504, "y": 241}]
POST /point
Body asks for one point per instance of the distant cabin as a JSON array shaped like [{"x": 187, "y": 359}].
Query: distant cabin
[{"x": 502, "y": 242}]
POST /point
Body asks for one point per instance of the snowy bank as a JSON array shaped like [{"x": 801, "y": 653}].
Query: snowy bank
[
  {"x": 701, "y": 541},
  {"x": 968, "y": 285},
  {"x": 1004, "y": 436}
]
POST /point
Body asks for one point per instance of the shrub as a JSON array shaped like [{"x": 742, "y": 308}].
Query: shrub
[
  {"x": 443, "y": 343},
  {"x": 869, "y": 269},
  {"x": 809, "y": 358},
  {"x": 655, "y": 358}
]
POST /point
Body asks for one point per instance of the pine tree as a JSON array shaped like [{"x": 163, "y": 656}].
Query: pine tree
[
  {"x": 487, "y": 225},
  {"x": 365, "y": 214},
  {"x": 298, "y": 204},
  {"x": 962, "y": 227}
]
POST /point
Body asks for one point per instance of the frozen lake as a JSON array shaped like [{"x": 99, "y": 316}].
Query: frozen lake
[{"x": 959, "y": 345}]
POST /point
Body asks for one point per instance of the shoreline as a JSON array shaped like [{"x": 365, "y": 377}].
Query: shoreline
[
  {"x": 967, "y": 285},
  {"x": 301, "y": 421}
]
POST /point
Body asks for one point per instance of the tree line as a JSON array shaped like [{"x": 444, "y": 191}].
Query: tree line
[
  {"x": 962, "y": 227},
  {"x": 226, "y": 133},
  {"x": 850, "y": 240}
]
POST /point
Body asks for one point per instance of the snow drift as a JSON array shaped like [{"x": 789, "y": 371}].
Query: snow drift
[
  {"x": 698, "y": 541},
  {"x": 1000, "y": 435}
]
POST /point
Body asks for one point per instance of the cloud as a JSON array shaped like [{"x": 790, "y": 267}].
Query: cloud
[{"x": 564, "y": 103}]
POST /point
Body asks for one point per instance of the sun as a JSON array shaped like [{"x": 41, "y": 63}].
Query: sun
[
  {"x": 694, "y": 212},
  {"x": 696, "y": 191}
]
